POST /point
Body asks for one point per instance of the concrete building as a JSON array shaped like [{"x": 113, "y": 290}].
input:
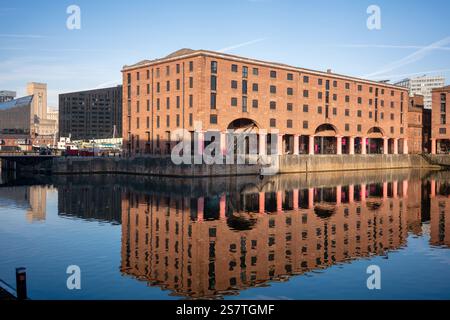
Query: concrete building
[
  {"x": 423, "y": 85},
  {"x": 93, "y": 114},
  {"x": 6, "y": 95},
  {"x": 440, "y": 136},
  {"x": 314, "y": 112},
  {"x": 43, "y": 125}
]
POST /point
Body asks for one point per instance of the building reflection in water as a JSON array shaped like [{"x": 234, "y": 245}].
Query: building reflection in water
[
  {"x": 33, "y": 199},
  {"x": 208, "y": 247}
]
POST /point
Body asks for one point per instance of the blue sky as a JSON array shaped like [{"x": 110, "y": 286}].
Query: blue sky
[{"x": 35, "y": 44}]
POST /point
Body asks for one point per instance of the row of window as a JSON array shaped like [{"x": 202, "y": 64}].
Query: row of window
[
  {"x": 158, "y": 104},
  {"x": 290, "y": 77},
  {"x": 158, "y": 72}
]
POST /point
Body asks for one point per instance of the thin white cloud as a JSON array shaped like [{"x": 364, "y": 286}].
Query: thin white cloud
[
  {"x": 27, "y": 36},
  {"x": 404, "y": 75},
  {"x": 240, "y": 45},
  {"x": 387, "y": 46},
  {"x": 108, "y": 84},
  {"x": 414, "y": 57}
]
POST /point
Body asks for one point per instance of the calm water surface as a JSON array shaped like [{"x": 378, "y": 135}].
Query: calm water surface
[{"x": 284, "y": 237}]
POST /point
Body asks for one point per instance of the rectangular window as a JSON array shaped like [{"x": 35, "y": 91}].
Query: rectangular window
[
  {"x": 273, "y": 74},
  {"x": 178, "y": 68},
  {"x": 443, "y": 119},
  {"x": 334, "y": 97},
  {"x": 273, "y": 123},
  {"x": 305, "y": 124},
  {"x": 214, "y": 67},
  {"x": 442, "y": 131},
  {"x": 334, "y": 111},
  {"x": 359, "y": 87},
  {"x": 305, "y": 93},
  {"x": 347, "y": 127},
  {"x": 137, "y": 76},
  {"x": 319, "y": 95},
  {"x": 137, "y": 106},
  {"x": 335, "y": 84},
  {"x": 347, "y": 112},
  {"x": 138, "y": 90},
  {"x": 213, "y": 119},
  {"x": 178, "y": 120},
  {"x": 234, "y": 102},
  {"x": 234, "y": 84},
  {"x": 167, "y": 103},
  {"x": 290, "y": 91},
  {"x": 244, "y": 104},
  {"x": 178, "y": 102},
  {"x": 168, "y": 86},
  {"x": 290, "y": 76},
  {"x": 234, "y": 68},
  {"x": 305, "y": 79},
  {"x": 158, "y": 87},
  {"x": 359, "y": 113},
  {"x": 305, "y": 108},
  {"x": 213, "y": 83},
  {"x": 178, "y": 84},
  {"x": 273, "y": 89},
  {"x": 191, "y": 66},
  {"x": 157, "y": 72},
  {"x": 319, "y": 110},
  {"x": 191, "y": 101},
  {"x": 255, "y": 87},
  {"x": 289, "y": 107},
  {"x": 137, "y": 123},
  {"x": 347, "y": 86},
  {"x": 191, "y": 82},
  {"x": 255, "y": 71},
  {"x": 148, "y": 88},
  {"x": 157, "y": 121},
  {"x": 244, "y": 86},
  {"x": 359, "y": 100},
  {"x": 191, "y": 119},
  {"x": 244, "y": 72},
  {"x": 359, "y": 128},
  {"x": 148, "y": 105},
  {"x": 167, "y": 70},
  {"x": 273, "y": 105},
  {"x": 347, "y": 99},
  {"x": 289, "y": 123},
  {"x": 148, "y": 122},
  {"x": 167, "y": 121},
  {"x": 213, "y": 101},
  {"x": 255, "y": 103}
]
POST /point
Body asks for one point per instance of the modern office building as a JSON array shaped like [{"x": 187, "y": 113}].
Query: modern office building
[
  {"x": 314, "y": 112},
  {"x": 440, "y": 136},
  {"x": 93, "y": 114},
  {"x": 6, "y": 95},
  {"x": 423, "y": 85},
  {"x": 16, "y": 124}
]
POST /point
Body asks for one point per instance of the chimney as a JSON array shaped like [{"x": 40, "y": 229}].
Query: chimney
[{"x": 329, "y": 70}]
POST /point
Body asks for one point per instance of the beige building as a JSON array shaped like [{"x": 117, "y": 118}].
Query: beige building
[{"x": 44, "y": 122}]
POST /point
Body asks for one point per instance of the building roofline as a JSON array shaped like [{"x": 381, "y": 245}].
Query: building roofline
[
  {"x": 90, "y": 90},
  {"x": 444, "y": 88},
  {"x": 208, "y": 53}
]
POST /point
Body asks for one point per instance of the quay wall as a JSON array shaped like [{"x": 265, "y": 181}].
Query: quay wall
[{"x": 163, "y": 166}]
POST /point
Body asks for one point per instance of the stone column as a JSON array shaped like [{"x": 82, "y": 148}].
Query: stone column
[
  {"x": 279, "y": 201},
  {"x": 295, "y": 200},
  {"x": 396, "y": 146},
  {"x": 311, "y": 145},
  {"x": 311, "y": 198},
  {"x": 385, "y": 145},
  {"x": 395, "y": 189},
  {"x": 339, "y": 144},
  {"x": 200, "y": 208},
  {"x": 405, "y": 188},
  {"x": 223, "y": 207},
  {"x": 363, "y": 193},
  {"x": 405, "y": 146},
  {"x": 433, "y": 146},
  {"x": 262, "y": 203},
  {"x": 223, "y": 143},
  {"x": 296, "y": 144},
  {"x": 280, "y": 144},
  {"x": 351, "y": 193},
  {"x": 200, "y": 142},
  {"x": 351, "y": 145},
  {"x": 262, "y": 143},
  {"x": 433, "y": 188},
  {"x": 338, "y": 195},
  {"x": 363, "y": 145}
]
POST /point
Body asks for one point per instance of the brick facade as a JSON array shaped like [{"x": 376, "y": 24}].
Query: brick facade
[
  {"x": 304, "y": 105},
  {"x": 440, "y": 136}
]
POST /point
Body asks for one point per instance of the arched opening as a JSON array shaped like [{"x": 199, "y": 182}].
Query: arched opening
[
  {"x": 443, "y": 146},
  {"x": 245, "y": 136},
  {"x": 375, "y": 142},
  {"x": 325, "y": 139}
]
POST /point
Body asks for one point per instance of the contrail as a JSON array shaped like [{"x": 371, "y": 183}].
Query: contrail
[
  {"x": 387, "y": 46},
  {"x": 240, "y": 45},
  {"x": 416, "y": 56}
]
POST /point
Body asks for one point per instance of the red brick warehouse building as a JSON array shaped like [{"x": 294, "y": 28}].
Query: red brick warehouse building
[
  {"x": 440, "y": 122},
  {"x": 315, "y": 112}
]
